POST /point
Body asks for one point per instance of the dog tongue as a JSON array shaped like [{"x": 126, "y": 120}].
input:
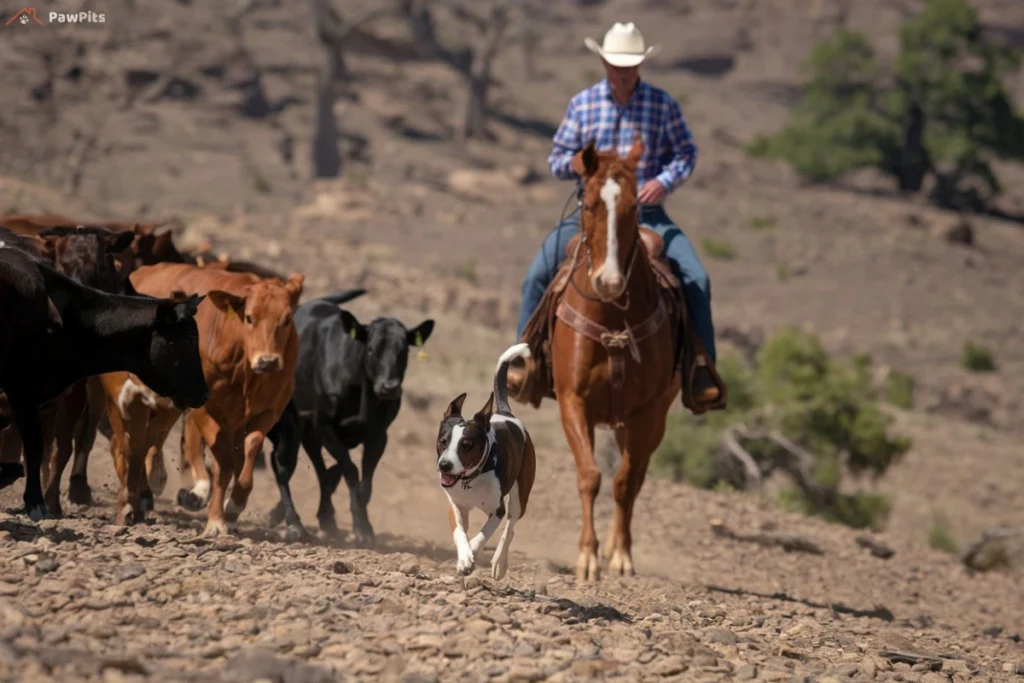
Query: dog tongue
[{"x": 448, "y": 479}]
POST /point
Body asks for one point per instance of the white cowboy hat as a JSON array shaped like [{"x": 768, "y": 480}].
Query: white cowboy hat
[{"x": 623, "y": 46}]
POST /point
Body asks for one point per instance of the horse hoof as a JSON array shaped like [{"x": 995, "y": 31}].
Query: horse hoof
[
  {"x": 295, "y": 533},
  {"x": 587, "y": 569},
  {"x": 147, "y": 502},
  {"x": 621, "y": 563}
]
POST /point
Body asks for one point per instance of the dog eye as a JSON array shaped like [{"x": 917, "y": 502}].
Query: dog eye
[{"x": 465, "y": 445}]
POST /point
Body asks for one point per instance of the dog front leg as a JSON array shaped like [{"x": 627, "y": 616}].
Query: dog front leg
[
  {"x": 459, "y": 518},
  {"x": 488, "y": 529}
]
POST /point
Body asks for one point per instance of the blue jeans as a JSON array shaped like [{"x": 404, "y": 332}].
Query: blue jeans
[{"x": 685, "y": 265}]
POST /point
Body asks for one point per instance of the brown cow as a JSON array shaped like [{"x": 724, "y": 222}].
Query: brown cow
[{"x": 249, "y": 349}]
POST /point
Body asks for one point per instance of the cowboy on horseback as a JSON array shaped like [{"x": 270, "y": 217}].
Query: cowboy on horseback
[{"x": 611, "y": 113}]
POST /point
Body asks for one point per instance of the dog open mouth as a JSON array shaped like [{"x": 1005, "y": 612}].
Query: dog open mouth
[{"x": 449, "y": 480}]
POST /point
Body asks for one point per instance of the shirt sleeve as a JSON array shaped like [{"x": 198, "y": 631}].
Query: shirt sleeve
[
  {"x": 567, "y": 142},
  {"x": 683, "y": 149}
]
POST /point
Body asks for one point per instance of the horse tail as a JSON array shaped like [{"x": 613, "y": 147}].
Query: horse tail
[{"x": 501, "y": 375}]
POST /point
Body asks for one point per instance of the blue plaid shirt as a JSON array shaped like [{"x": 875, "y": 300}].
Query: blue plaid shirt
[{"x": 669, "y": 152}]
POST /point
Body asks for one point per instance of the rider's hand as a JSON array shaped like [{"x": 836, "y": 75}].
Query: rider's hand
[{"x": 653, "y": 192}]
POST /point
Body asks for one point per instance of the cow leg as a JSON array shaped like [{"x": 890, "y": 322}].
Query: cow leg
[
  {"x": 284, "y": 456},
  {"x": 160, "y": 424},
  {"x": 85, "y": 438},
  {"x": 336, "y": 447},
  {"x": 224, "y": 449},
  {"x": 192, "y": 453},
  {"x": 71, "y": 408},
  {"x": 243, "y": 470},
  {"x": 327, "y": 480},
  {"x": 30, "y": 428},
  {"x": 373, "y": 448}
]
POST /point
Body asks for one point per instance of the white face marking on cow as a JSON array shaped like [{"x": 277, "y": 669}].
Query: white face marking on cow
[{"x": 610, "y": 192}]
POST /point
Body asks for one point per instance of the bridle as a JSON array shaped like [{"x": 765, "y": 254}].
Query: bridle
[{"x": 585, "y": 244}]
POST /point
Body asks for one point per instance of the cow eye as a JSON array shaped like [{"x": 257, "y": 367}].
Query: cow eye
[
  {"x": 248, "y": 319},
  {"x": 284, "y": 323}
]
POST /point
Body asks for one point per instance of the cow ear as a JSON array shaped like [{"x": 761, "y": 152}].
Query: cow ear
[
  {"x": 192, "y": 305},
  {"x": 228, "y": 304},
  {"x": 455, "y": 407},
  {"x": 294, "y": 287},
  {"x": 168, "y": 312},
  {"x": 353, "y": 327},
  {"x": 119, "y": 241},
  {"x": 419, "y": 335}
]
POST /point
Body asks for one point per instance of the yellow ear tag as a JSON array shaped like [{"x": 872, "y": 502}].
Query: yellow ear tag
[
  {"x": 352, "y": 333},
  {"x": 231, "y": 312},
  {"x": 422, "y": 355}
]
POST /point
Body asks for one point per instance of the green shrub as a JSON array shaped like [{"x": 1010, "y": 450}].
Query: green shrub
[
  {"x": 827, "y": 409},
  {"x": 899, "y": 389},
  {"x": 941, "y": 538},
  {"x": 977, "y": 358},
  {"x": 719, "y": 249}
]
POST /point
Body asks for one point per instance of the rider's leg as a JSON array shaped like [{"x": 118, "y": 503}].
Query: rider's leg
[
  {"x": 545, "y": 265},
  {"x": 696, "y": 288}
]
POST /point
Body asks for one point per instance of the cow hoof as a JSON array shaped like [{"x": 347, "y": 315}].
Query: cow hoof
[
  {"x": 36, "y": 512},
  {"x": 126, "y": 516},
  {"x": 147, "y": 502},
  {"x": 587, "y": 569},
  {"x": 232, "y": 510},
  {"x": 365, "y": 540},
  {"x": 190, "y": 501},
  {"x": 294, "y": 533},
  {"x": 79, "y": 492},
  {"x": 276, "y": 515},
  {"x": 330, "y": 528}
]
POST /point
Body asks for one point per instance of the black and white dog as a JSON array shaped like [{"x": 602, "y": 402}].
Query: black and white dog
[{"x": 482, "y": 460}]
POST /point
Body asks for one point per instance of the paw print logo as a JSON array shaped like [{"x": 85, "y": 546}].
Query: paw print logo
[{"x": 24, "y": 16}]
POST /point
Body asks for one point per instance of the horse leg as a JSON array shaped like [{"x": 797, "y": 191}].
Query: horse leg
[
  {"x": 637, "y": 442},
  {"x": 580, "y": 435}
]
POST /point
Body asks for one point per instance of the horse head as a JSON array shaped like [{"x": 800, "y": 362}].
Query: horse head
[{"x": 608, "y": 219}]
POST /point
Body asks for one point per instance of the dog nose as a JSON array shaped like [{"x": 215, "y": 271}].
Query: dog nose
[
  {"x": 267, "y": 364},
  {"x": 445, "y": 466}
]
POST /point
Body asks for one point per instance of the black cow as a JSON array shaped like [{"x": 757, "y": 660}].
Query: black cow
[
  {"x": 348, "y": 391},
  {"x": 56, "y": 331}
]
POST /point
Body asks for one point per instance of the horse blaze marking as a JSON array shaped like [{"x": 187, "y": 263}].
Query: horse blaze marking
[{"x": 610, "y": 194}]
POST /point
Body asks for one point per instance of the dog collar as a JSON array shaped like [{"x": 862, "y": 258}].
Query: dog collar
[{"x": 488, "y": 463}]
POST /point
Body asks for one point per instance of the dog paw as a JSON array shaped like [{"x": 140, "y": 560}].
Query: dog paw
[
  {"x": 499, "y": 567},
  {"x": 465, "y": 565}
]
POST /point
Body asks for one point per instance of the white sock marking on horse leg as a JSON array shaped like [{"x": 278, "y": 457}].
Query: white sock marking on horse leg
[{"x": 201, "y": 490}]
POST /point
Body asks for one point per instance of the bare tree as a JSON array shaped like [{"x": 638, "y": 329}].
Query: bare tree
[
  {"x": 488, "y": 23},
  {"x": 332, "y": 31},
  {"x": 256, "y": 104}
]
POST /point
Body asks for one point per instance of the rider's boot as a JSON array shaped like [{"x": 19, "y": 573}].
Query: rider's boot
[{"x": 705, "y": 391}]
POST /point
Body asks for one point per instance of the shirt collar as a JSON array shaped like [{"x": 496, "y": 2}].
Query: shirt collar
[{"x": 605, "y": 90}]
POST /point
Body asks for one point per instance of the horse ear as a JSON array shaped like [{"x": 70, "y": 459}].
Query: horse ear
[
  {"x": 637, "y": 150},
  {"x": 585, "y": 161}
]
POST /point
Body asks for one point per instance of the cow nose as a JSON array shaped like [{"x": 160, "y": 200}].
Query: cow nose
[
  {"x": 269, "y": 363},
  {"x": 445, "y": 466},
  {"x": 389, "y": 388}
]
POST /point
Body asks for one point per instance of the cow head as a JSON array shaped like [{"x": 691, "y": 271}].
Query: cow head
[
  {"x": 92, "y": 255},
  {"x": 387, "y": 343},
  {"x": 152, "y": 247},
  {"x": 176, "y": 369},
  {"x": 265, "y": 310}
]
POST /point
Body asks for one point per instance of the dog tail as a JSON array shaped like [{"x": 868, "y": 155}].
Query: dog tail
[
  {"x": 343, "y": 296},
  {"x": 501, "y": 376}
]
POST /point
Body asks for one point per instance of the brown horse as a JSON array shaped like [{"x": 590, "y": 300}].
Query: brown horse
[{"x": 614, "y": 347}]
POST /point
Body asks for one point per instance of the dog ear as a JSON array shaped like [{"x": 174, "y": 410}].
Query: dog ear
[
  {"x": 483, "y": 418},
  {"x": 455, "y": 407}
]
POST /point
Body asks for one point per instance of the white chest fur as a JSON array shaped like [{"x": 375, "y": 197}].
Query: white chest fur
[{"x": 483, "y": 493}]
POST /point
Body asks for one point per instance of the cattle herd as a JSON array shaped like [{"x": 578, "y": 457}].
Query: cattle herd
[{"x": 112, "y": 328}]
